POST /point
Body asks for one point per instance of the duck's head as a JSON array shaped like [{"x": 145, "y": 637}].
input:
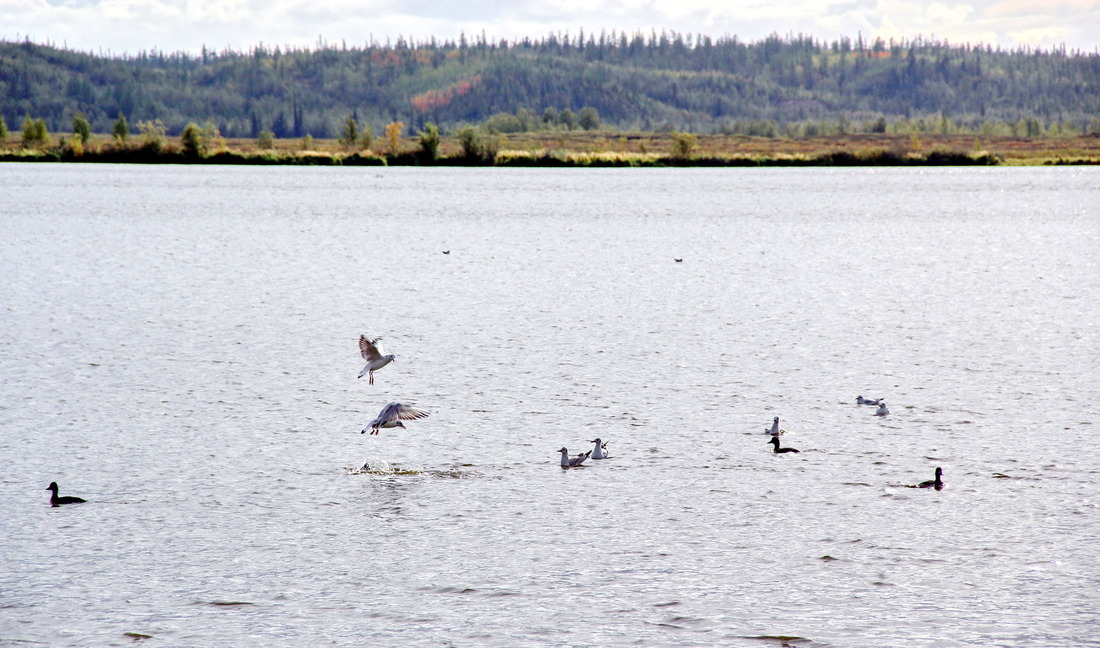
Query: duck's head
[{"x": 52, "y": 486}]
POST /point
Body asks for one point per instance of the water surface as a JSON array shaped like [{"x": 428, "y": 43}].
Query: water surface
[{"x": 179, "y": 348}]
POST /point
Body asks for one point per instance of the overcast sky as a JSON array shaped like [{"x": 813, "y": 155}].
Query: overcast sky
[{"x": 119, "y": 26}]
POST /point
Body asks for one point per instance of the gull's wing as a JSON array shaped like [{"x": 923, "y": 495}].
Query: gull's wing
[
  {"x": 406, "y": 412},
  {"x": 369, "y": 349}
]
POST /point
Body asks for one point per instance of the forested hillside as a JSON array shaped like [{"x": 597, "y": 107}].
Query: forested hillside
[{"x": 656, "y": 81}]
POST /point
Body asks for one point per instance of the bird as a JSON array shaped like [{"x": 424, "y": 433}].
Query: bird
[
  {"x": 572, "y": 462},
  {"x": 936, "y": 483},
  {"x": 678, "y": 260},
  {"x": 882, "y": 409},
  {"x": 600, "y": 451},
  {"x": 372, "y": 353},
  {"x": 392, "y": 415},
  {"x": 58, "y": 501},
  {"x": 774, "y": 429},
  {"x": 446, "y": 251},
  {"x": 860, "y": 400},
  {"x": 775, "y": 444}
]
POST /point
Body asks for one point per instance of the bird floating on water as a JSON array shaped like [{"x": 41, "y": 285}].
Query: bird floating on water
[
  {"x": 678, "y": 260},
  {"x": 860, "y": 400},
  {"x": 372, "y": 353},
  {"x": 882, "y": 409},
  {"x": 936, "y": 483},
  {"x": 572, "y": 462},
  {"x": 600, "y": 451},
  {"x": 446, "y": 251},
  {"x": 58, "y": 501},
  {"x": 392, "y": 415},
  {"x": 774, "y": 429},
  {"x": 775, "y": 446}
]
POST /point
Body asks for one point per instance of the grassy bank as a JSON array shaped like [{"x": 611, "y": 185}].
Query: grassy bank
[{"x": 592, "y": 149}]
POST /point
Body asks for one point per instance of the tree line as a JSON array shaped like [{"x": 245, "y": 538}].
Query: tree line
[{"x": 630, "y": 81}]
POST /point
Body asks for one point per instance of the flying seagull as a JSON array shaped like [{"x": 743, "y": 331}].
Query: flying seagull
[
  {"x": 392, "y": 415},
  {"x": 372, "y": 353}
]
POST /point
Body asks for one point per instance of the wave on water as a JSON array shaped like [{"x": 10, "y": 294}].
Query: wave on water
[{"x": 376, "y": 466}]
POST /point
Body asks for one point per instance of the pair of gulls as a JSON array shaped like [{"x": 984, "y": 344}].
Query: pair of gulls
[
  {"x": 881, "y": 402},
  {"x": 598, "y": 452},
  {"x": 393, "y": 414}
]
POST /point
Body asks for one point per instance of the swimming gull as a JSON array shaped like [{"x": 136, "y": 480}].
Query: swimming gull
[
  {"x": 860, "y": 400},
  {"x": 600, "y": 451},
  {"x": 882, "y": 409},
  {"x": 572, "y": 462},
  {"x": 774, "y": 429}
]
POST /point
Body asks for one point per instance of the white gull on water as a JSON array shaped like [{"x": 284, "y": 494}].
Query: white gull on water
[
  {"x": 774, "y": 429},
  {"x": 600, "y": 451},
  {"x": 572, "y": 462}
]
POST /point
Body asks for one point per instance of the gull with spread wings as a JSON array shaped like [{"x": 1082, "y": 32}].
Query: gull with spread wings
[
  {"x": 392, "y": 415},
  {"x": 372, "y": 353}
]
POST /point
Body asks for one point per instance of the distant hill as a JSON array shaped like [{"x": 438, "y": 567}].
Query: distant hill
[{"x": 656, "y": 81}]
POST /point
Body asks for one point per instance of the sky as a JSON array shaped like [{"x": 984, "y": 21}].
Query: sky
[{"x": 130, "y": 26}]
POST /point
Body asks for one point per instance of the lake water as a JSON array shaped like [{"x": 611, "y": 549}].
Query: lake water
[{"x": 178, "y": 347}]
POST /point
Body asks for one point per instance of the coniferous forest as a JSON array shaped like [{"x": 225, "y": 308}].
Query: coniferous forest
[{"x": 780, "y": 86}]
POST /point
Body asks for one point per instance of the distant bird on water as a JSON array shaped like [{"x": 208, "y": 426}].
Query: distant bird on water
[
  {"x": 774, "y": 429},
  {"x": 775, "y": 446},
  {"x": 392, "y": 415},
  {"x": 600, "y": 451},
  {"x": 446, "y": 251},
  {"x": 936, "y": 483},
  {"x": 882, "y": 409},
  {"x": 860, "y": 400},
  {"x": 58, "y": 501},
  {"x": 678, "y": 260},
  {"x": 372, "y": 353},
  {"x": 572, "y": 462}
]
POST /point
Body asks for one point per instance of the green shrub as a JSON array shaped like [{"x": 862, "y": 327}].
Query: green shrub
[
  {"x": 429, "y": 144},
  {"x": 152, "y": 136},
  {"x": 81, "y": 128},
  {"x": 193, "y": 141},
  {"x": 683, "y": 145},
  {"x": 349, "y": 133},
  {"x": 34, "y": 131},
  {"x": 120, "y": 131},
  {"x": 470, "y": 140},
  {"x": 266, "y": 141}
]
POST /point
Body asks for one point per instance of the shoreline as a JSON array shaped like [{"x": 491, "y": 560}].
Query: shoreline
[{"x": 607, "y": 149}]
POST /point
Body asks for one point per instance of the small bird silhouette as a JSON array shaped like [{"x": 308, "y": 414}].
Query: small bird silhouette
[{"x": 58, "y": 501}]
